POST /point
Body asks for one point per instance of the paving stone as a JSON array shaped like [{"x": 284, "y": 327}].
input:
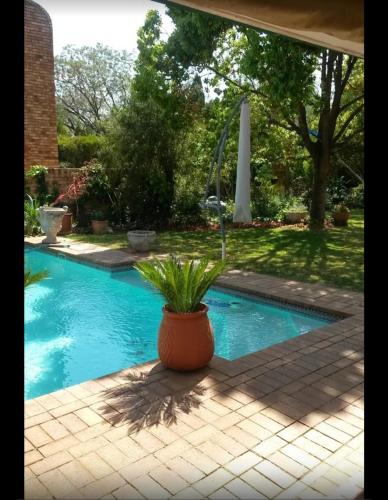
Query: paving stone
[
  {"x": 275, "y": 474},
  {"x": 261, "y": 483},
  {"x": 102, "y": 486},
  {"x": 168, "y": 479},
  {"x": 76, "y": 473},
  {"x": 199, "y": 460},
  {"x": 137, "y": 469},
  {"x": 150, "y": 488},
  {"x": 51, "y": 462},
  {"x": 37, "y": 436},
  {"x": 240, "y": 489},
  {"x": 242, "y": 463},
  {"x": 34, "y": 489},
  {"x": 96, "y": 465},
  {"x": 127, "y": 492},
  {"x": 213, "y": 481}
]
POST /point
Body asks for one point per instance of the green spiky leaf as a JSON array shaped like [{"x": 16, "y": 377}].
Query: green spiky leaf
[{"x": 182, "y": 284}]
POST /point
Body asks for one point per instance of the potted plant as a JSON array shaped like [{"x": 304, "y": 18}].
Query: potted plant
[
  {"x": 340, "y": 215},
  {"x": 99, "y": 221},
  {"x": 186, "y": 339}
]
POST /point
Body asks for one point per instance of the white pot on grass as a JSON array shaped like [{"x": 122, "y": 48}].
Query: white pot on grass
[{"x": 141, "y": 241}]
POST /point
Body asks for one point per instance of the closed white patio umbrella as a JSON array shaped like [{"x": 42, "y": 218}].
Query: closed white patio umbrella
[{"x": 242, "y": 210}]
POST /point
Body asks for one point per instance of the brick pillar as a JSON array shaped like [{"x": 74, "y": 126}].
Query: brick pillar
[{"x": 40, "y": 131}]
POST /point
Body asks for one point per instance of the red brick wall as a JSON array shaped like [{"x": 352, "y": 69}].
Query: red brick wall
[
  {"x": 61, "y": 177},
  {"x": 40, "y": 131}
]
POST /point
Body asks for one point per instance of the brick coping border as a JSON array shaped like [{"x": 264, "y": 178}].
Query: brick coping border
[{"x": 284, "y": 422}]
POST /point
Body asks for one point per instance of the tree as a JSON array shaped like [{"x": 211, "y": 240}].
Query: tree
[
  {"x": 90, "y": 83},
  {"x": 142, "y": 155},
  {"x": 283, "y": 73}
]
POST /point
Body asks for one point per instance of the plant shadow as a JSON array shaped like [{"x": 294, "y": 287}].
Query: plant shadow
[{"x": 142, "y": 401}]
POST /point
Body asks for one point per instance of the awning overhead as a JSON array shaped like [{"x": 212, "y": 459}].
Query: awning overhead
[{"x": 335, "y": 24}]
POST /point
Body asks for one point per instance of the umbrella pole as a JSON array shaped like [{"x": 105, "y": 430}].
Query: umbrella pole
[{"x": 219, "y": 152}]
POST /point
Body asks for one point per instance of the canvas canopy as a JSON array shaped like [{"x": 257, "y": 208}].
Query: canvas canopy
[{"x": 334, "y": 24}]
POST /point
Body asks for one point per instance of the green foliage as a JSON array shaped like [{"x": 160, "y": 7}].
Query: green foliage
[
  {"x": 141, "y": 161},
  {"x": 267, "y": 202},
  {"x": 186, "y": 211},
  {"x": 341, "y": 207},
  {"x": 99, "y": 215},
  {"x": 183, "y": 285},
  {"x": 355, "y": 197},
  {"x": 38, "y": 172},
  {"x": 75, "y": 151},
  {"x": 31, "y": 219},
  {"x": 283, "y": 74},
  {"x": 337, "y": 191},
  {"x": 31, "y": 278}
]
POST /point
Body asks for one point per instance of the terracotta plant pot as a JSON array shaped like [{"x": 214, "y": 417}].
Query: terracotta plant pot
[
  {"x": 340, "y": 218},
  {"x": 67, "y": 222},
  {"x": 99, "y": 226},
  {"x": 186, "y": 340}
]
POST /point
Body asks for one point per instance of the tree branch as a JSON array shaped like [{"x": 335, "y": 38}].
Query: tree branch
[
  {"x": 340, "y": 145},
  {"x": 351, "y": 63},
  {"x": 348, "y": 104},
  {"x": 347, "y": 122},
  {"x": 292, "y": 126},
  {"x": 304, "y": 131},
  {"x": 233, "y": 82}
]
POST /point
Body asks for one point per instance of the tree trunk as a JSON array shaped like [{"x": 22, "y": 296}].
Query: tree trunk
[{"x": 318, "y": 199}]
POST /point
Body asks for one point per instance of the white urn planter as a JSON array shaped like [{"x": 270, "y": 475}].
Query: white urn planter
[
  {"x": 51, "y": 221},
  {"x": 141, "y": 240}
]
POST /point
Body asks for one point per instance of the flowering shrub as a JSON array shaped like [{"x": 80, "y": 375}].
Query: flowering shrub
[{"x": 74, "y": 191}]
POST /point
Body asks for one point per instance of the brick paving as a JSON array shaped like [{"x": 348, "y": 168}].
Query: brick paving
[{"x": 285, "y": 422}]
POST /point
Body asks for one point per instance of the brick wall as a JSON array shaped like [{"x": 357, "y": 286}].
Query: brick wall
[
  {"x": 61, "y": 177},
  {"x": 40, "y": 132}
]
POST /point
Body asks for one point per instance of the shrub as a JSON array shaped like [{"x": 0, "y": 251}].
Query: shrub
[
  {"x": 142, "y": 155},
  {"x": 341, "y": 207},
  {"x": 355, "y": 198},
  {"x": 267, "y": 202},
  {"x": 186, "y": 211},
  {"x": 75, "y": 151},
  {"x": 38, "y": 172},
  {"x": 31, "y": 219},
  {"x": 337, "y": 191}
]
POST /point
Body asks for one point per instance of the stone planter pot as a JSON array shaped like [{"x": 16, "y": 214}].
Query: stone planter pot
[
  {"x": 99, "y": 226},
  {"x": 67, "y": 224},
  {"x": 141, "y": 240},
  {"x": 50, "y": 219},
  {"x": 295, "y": 217},
  {"x": 186, "y": 340}
]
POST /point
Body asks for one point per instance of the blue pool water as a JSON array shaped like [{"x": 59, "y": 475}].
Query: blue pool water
[{"x": 83, "y": 322}]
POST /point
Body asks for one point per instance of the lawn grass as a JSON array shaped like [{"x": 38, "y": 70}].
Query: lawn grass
[{"x": 334, "y": 256}]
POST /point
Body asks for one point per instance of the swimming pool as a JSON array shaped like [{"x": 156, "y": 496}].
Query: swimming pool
[{"x": 83, "y": 322}]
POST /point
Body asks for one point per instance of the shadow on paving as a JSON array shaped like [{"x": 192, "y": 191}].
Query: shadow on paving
[
  {"x": 296, "y": 382},
  {"x": 143, "y": 401}
]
